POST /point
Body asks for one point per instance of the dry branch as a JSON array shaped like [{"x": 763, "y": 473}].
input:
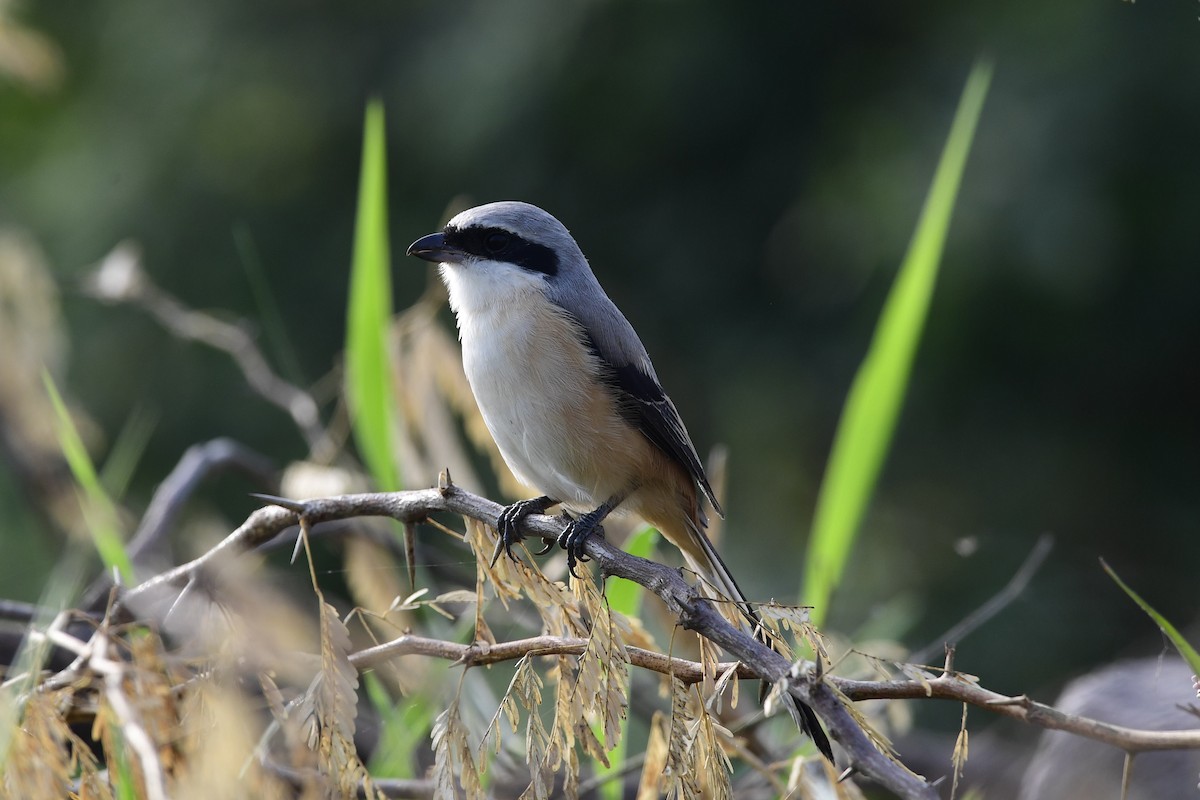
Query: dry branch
[
  {"x": 1020, "y": 707},
  {"x": 692, "y": 611},
  {"x": 120, "y": 278},
  {"x": 482, "y": 654},
  {"x": 824, "y": 693}
]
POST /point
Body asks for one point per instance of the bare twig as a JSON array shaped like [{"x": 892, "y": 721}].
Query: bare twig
[
  {"x": 955, "y": 687},
  {"x": 18, "y": 611},
  {"x": 823, "y": 693},
  {"x": 682, "y": 599},
  {"x": 997, "y": 603},
  {"x": 482, "y": 653},
  {"x": 947, "y": 687},
  {"x": 198, "y": 462},
  {"x": 404, "y": 787},
  {"x": 266, "y": 523},
  {"x": 119, "y": 278}
]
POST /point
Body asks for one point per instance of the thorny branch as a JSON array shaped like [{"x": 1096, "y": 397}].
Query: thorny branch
[
  {"x": 977, "y": 618},
  {"x": 198, "y": 462},
  {"x": 954, "y": 687},
  {"x": 692, "y": 611},
  {"x": 482, "y": 654},
  {"x": 119, "y": 278},
  {"x": 949, "y": 686}
]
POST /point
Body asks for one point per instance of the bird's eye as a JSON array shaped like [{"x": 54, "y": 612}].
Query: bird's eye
[{"x": 496, "y": 242}]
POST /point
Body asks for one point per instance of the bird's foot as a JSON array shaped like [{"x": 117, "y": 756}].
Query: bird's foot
[
  {"x": 509, "y": 524},
  {"x": 576, "y": 534}
]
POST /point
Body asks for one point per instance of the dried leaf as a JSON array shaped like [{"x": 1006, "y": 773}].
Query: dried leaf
[
  {"x": 330, "y": 706},
  {"x": 570, "y": 774},
  {"x": 959, "y": 757},
  {"x": 681, "y": 771},
  {"x": 445, "y": 729},
  {"x": 919, "y": 674},
  {"x": 537, "y": 739},
  {"x": 726, "y": 680},
  {"x": 655, "y": 764},
  {"x": 505, "y": 577},
  {"x": 814, "y": 778},
  {"x": 564, "y": 727},
  {"x": 603, "y": 669},
  {"x": 218, "y": 733},
  {"x": 38, "y": 763},
  {"x": 454, "y": 771},
  {"x": 524, "y": 691},
  {"x": 152, "y": 690},
  {"x": 714, "y": 764},
  {"x": 709, "y": 658}
]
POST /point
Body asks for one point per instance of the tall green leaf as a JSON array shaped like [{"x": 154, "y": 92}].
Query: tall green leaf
[
  {"x": 264, "y": 299},
  {"x": 127, "y": 451},
  {"x": 1170, "y": 631},
  {"x": 63, "y": 585},
  {"x": 368, "y": 385},
  {"x": 98, "y": 510},
  {"x": 123, "y": 781},
  {"x": 404, "y": 726},
  {"x": 869, "y": 416},
  {"x": 624, "y": 597}
]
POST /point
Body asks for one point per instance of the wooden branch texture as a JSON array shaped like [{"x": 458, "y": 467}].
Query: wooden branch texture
[{"x": 825, "y": 694}]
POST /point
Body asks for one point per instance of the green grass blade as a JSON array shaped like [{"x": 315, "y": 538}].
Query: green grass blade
[
  {"x": 404, "y": 726},
  {"x": 368, "y": 385},
  {"x": 123, "y": 782},
  {"x": 98, "y": 509},
  {"x": 624, "y": 597},
  {"x": 264, "y": 299},
  {"x": 127, "y": 451},
  {"x": 1181, "y": 644},
  {"x": 869, "y": 417}
]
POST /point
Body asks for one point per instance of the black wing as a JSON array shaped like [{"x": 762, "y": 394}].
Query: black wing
[{"x": 646, "y": 406}]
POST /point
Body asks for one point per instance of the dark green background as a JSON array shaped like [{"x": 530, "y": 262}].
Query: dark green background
[{"x": 744, "y": 178}]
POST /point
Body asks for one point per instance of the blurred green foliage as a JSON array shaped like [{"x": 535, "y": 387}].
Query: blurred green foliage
[
  {"x": 1170, "y": 632},
  {"x": 98, "y": 508},
  {"x": 744, "y": 179},
  {"x": 368, "y": 386},
  {"x": 868, "y": 421}
]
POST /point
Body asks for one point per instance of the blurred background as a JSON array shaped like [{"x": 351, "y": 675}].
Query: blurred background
[{"x": 744, "y": 179}]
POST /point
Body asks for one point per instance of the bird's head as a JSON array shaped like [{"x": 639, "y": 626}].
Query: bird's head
[{"x": 506, "y": 237}]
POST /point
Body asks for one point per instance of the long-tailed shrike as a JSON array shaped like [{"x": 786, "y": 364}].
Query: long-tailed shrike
[{"x": 567, "y": 390}]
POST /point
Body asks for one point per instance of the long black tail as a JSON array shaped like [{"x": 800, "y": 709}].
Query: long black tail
[{"x": 725, "y": 583}]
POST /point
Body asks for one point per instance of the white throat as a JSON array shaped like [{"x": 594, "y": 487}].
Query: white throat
[{"x": 484, "y": 287}]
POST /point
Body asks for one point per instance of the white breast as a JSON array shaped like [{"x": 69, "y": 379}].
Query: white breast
[{"x": 530, "y": 372}]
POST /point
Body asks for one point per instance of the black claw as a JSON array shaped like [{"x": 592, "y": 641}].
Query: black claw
[
  {"x": 508, "y": 525},
  {"x": 508, "y": 528},
  {"x": 564, "y": 541},
  {"x": 576, "y": 534},
  {"x": 547, "y": 543}
]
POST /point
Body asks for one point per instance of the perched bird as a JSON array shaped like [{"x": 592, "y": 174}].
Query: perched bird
[{"x": 568, "y": 392}]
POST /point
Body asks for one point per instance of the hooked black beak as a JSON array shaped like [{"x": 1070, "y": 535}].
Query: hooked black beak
[{"x": 433, "y": 248}]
